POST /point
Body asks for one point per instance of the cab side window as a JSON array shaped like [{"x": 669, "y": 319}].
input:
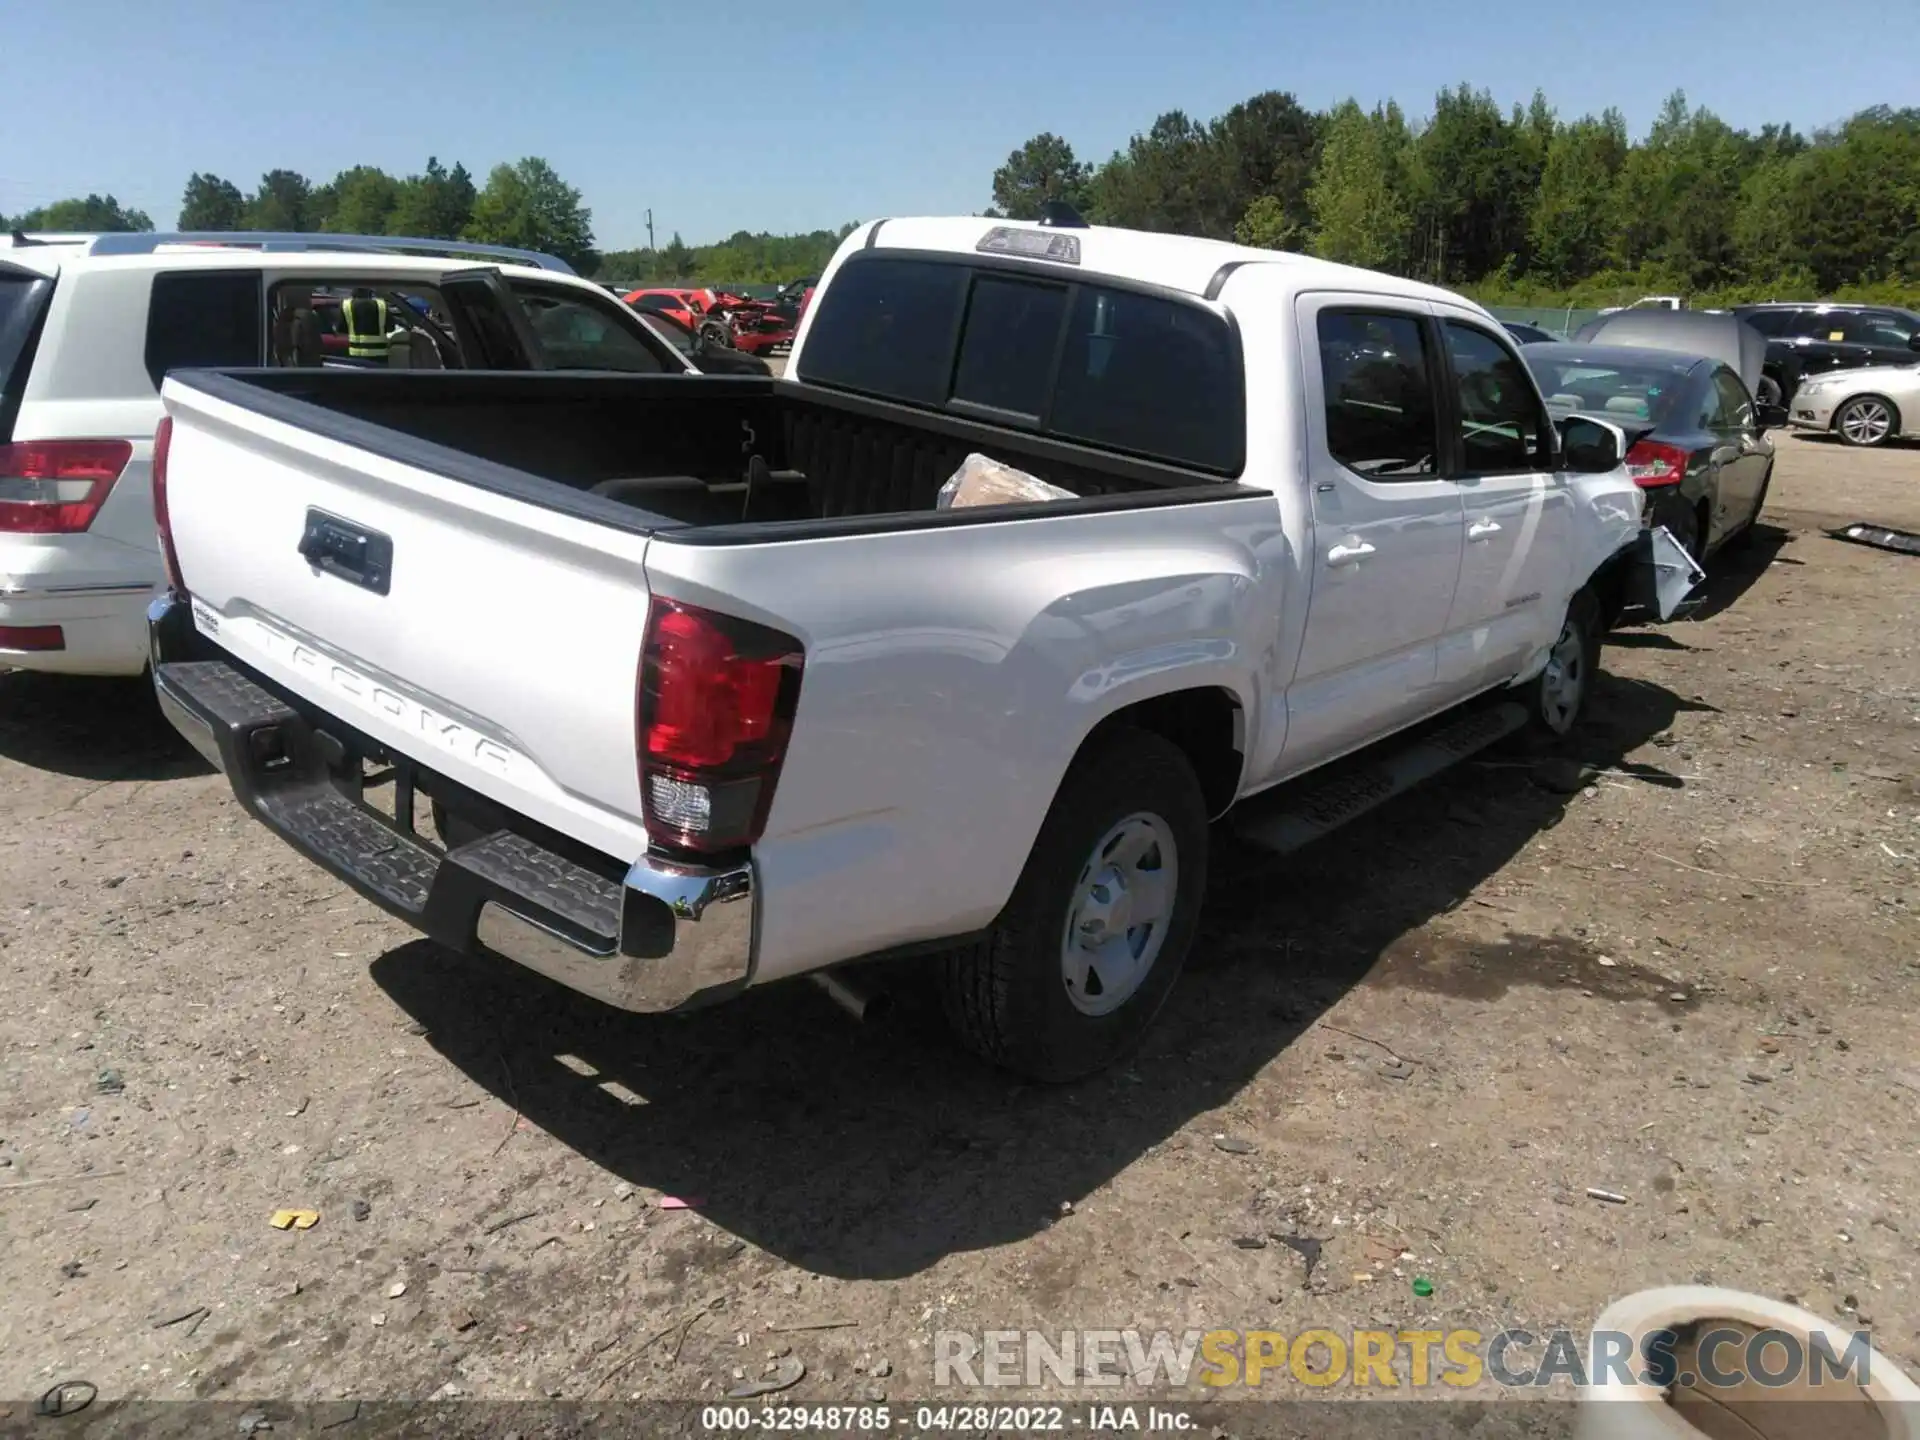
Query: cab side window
[
  {"x": 1503, "y": 428},
  {"x": 1378, "y": 378}
]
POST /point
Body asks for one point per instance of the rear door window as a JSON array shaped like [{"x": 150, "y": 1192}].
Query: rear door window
[
  {"x": 1379, "y": 393},
  {"x": 1151, "y": 376},
  {"x": 886, "y": 328},
  {"x": 205, "y": 318}
]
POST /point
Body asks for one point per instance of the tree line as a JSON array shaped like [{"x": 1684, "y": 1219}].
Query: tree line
[
  {"x": 1521, "y": 206},
  {"x": 524, "y": 204}
]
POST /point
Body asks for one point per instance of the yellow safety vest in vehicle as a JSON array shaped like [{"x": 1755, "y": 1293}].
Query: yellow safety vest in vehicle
[{"x": 365, "y": 342}]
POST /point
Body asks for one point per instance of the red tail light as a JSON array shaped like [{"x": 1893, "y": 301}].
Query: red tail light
[
  {"x": 715, "y": 707},
  {"x": 1650, "y": 463},
  {"x": 162, "y": 518},
  {"x": 56, "y": 487}
]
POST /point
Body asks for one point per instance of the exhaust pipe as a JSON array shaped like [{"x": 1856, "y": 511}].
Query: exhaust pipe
[{"x": 858, "y": 1002}]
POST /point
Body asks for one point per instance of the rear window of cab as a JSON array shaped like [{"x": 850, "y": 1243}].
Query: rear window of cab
[{"x": 1092, "y": 363}]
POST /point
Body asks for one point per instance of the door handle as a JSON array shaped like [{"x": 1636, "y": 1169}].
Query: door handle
[
  {"x": 1481, "y": 529},
  {"x": 1349, "y": 552}
]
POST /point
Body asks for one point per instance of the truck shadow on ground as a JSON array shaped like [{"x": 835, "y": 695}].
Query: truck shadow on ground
[
  {"x": 875, "y": 1151},
  {"x": 90, "y": 727}
]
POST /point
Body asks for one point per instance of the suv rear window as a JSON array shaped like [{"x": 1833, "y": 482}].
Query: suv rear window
[
  {"x": 204, "y": 318},
  {"x": 23, "y": 300},
  {"x": 1151, "y": 375}
]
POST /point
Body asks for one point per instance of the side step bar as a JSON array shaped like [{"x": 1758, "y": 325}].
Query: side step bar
[{"x": 1320, "y": 808}]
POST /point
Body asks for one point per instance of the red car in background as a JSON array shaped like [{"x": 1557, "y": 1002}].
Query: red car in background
[
  {"x": 720, "y": 316},
  {"x": 686, "y": 306}
]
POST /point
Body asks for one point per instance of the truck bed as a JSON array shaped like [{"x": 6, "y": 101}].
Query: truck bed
[{"x": 655, "y": 454}]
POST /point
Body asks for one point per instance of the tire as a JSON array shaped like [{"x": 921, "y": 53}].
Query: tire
[
  {"x": 1026, "y": 997},
  {"x": 1768, "y": 392},
  {"x": 717, "y": 336},
  {"x": 1558, "y": 696},
  {"x": 1866, "y": 420}
]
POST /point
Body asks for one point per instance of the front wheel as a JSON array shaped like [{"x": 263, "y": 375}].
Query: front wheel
[
  {"x": 1099, "y": 924},
  {"x": 1865, "y": 420},
  {"x": 1558, "y": 695},
  {"x": 1768, "y": 391}
]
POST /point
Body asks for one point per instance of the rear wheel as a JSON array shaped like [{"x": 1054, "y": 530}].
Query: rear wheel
[
  {"x": 1866, "y": 420},
  {"x": 1099, "y": 925},
  {"x": 1768, "y": 391}
]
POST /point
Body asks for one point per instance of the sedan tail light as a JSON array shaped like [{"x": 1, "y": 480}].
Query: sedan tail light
[
  {"x": 714, "y": 711},
  {"x": 56, "y": 487},
  {"x": 1651, "y": 464},
  {"x": 162, "y": 516}
]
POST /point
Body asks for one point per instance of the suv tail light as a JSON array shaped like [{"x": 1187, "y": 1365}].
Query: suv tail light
[
  {"x": 56, "y": 487},
  {"x": 1650, "y": 463},
  {"x": 714, "y": 710},
  {"x": 162, "y": 518}
]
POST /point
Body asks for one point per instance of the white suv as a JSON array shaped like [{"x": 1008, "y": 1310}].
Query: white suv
[{"x": 89, "y": 325}]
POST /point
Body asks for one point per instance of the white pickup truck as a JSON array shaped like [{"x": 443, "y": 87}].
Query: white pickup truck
[{"x": 706, "y": 692}]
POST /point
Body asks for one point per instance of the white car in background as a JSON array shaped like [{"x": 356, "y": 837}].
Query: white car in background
[
  {"x": 91, "y": 324},
  {"x": 1869, "y": 406}
]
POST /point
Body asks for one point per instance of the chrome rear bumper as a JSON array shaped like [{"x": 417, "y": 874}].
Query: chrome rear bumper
[{"x": 665, "y": 936}]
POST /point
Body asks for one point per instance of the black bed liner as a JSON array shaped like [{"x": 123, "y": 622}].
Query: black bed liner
[{"x": 545, "y": 438}]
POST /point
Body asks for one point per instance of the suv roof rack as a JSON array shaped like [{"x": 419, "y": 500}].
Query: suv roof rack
[
  {"x": 145, "y": 242},
  {"x": 21, "y": 239}
]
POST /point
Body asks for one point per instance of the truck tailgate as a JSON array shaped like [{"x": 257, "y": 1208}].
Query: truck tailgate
[{"x": 485, "y": 637}]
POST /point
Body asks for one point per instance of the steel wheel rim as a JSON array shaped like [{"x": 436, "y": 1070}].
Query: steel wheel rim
[
  {"x": 1118, "y": 917},
  {"x": 1564, "y": 682},
  {"x": 1866, "y": 422}
]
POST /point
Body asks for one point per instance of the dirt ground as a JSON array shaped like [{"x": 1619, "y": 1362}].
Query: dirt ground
[{"x": 1693, "y": 983}]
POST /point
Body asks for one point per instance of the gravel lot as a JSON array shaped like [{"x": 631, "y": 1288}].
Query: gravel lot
[{"x": 1692, "y": 983}]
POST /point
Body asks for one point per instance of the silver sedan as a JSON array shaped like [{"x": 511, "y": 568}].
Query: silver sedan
[{"x": 1863, "y": 407}]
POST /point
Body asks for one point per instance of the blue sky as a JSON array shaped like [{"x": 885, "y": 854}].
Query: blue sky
[{"x": 726, "y": 116}]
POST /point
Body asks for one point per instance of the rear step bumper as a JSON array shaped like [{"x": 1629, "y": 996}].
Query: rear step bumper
[{"x": 666, "y": 937}]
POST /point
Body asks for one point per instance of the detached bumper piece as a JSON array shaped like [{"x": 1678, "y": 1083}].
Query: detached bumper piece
[
  {"x": 664, "y": 937},
  {"x": 1881, "y": 537},
  {"x": 1662, "y": 574}
]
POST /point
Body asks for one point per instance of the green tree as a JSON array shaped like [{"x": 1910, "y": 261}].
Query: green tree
[
  {"x": 528, "y": 205},
  {"x": 1043, "y": 169},
  {"x": 211, "y": 203},
  {"x": 1471, "y": 183},
  {"x": 1268, "y": 225},
  {"x": 1573, "y": 217},
  {"x": 437, "y": 205},
  {"x": 1170, "y": 178},
  {"x": 280, "y": 203},
  {"x": 93, "y": 214},
  {"x": 1360, "y": 212},
  {"x": 360, "y": 201},
  {"x": 1265, "y": 148}
]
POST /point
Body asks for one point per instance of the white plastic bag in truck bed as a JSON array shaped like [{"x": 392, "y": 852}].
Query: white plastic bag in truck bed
[{"x": 984, "y": 481}]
